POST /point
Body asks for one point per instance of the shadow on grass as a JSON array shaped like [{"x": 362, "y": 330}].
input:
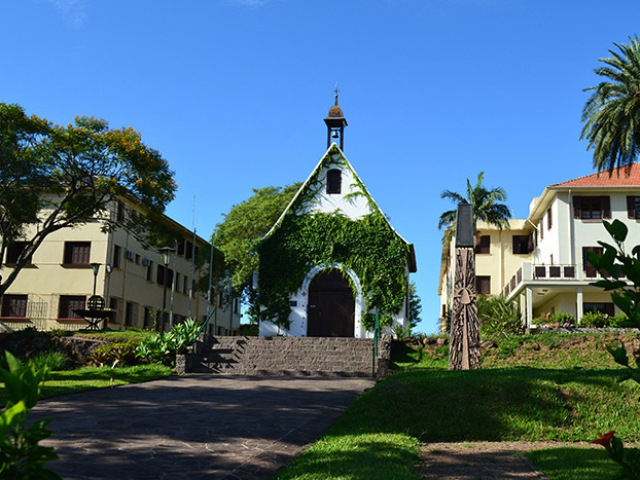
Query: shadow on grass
[
  {"x": 364, "y": 457},
  {"x": 575, "y": 464},
  {"x": 492, "y": 405}
]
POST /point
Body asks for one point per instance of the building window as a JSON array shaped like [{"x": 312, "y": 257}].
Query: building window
[
  {"x": 164, "y": 274},
  {"x": 521, "y": 244},
  {"x": 633, "y": 207},
  {"x": 77, "y": 253},
  {"x": 590, "y": 270},
  {"x": 120, "y": 211},
  {"x": 181, "y": 248},
  {"x": 334, "y": 181},
  {"x": 549, "y": 219},
  {"x": 591, "y": 208},
  {"x": 131, "y": 314},
  {"x": 220, "y": 299},
  {"x": 117, "y": 256},
  {"x": 150, "y": 271},
  {"x": 185, "y": 285},
  {"x": 189, "y": 252},
  {"x": 113, "y": 306},
  {"x": 14, "y": 251},
  {"x": 604, "y": 307},
  {"x": 148, "y": 318},
  {"x": 236, "y": 305},
  {"x": 484, "y": 245},
  {"x": 14, "y": 306},
  {"x": 69, "y": 303},
  {"x": 483, "y": 284},
  {"x": 178, "y": 286}
]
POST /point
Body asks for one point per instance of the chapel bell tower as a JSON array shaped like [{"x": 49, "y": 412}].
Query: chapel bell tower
[{"x": 335, "y": 123}]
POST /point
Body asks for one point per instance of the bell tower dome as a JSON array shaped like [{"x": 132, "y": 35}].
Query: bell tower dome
[{"x": 335, "y": 122}]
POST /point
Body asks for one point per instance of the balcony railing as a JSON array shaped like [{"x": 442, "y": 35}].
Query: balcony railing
[{"x": 549, "y": 273}]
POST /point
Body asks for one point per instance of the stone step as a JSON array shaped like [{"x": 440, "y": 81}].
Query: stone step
[{"x": 291, "y": 356}]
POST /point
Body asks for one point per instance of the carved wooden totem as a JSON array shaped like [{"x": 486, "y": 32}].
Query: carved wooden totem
[{"x": 464, "y": 352}]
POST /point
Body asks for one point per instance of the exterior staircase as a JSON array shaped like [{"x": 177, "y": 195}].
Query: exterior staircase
[{"x": 295, "y": 356}]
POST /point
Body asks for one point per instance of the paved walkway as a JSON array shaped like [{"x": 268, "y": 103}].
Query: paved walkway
[{"x": 193, "y": 426}]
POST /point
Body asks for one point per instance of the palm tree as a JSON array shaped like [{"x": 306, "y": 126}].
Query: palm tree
[
  {"x": 612, "y": 113},
  {"x": 485, "y": 204}
]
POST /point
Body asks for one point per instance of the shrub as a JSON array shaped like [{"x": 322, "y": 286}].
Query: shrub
[
  {"x": 249, "y": 330},
  {"x": 563, "y": 318},
  {"x": 21, "y": 456},
  {"x": 115, "y": 354},
  {"x": 594, "y": 318},
  {"x": 543, "y": 319},
  {"x": 619, "y": 321},
  {"x": 497, "y": 317},
  {"x": 52, "y": 360},
  {"x": 163, "y": 347}
]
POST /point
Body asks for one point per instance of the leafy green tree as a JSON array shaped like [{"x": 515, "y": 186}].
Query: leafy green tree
[
  {"x": 486, "y": 206},
  {"x": 415, "y": 306},
  {"x": 611, "y": 115},
  {"x": 59, "y": 177},
  {"x": 244, "y": 226}
]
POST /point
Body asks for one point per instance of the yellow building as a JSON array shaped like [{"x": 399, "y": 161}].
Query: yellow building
[
  {"x": 61, "y": 275},
  {"x": 499, "y": 255}
]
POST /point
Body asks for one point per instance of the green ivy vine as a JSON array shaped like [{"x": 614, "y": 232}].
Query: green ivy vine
[
  {"x": 300, "y": 241},
  {"x": 369, "y": 247}
]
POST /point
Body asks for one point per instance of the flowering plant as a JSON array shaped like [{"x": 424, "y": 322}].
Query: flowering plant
[
  {"x": 628, "y": 459},
  {"x": 551, "y": 326}
]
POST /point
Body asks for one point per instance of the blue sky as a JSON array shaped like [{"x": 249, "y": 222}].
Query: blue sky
[{"x": 233, "y": 93}]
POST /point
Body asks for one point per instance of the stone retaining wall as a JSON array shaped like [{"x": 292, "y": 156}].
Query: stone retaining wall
[{"x": 304, "y": 356}]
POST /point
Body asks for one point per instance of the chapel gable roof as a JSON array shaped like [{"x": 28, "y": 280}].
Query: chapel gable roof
[{"x": 335, "y": 155}]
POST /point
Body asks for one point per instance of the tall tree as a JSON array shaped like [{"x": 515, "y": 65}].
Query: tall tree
[
  {"x": 57, "y": 177},
  {"x": 486, "y": 206},
  {"x": 611, "y": 115},
  {"x": 244, "y": 226},
  {"x": 415, "y": 306}
]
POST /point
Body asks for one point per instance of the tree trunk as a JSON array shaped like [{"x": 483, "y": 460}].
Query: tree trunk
[{"x": 464, "y": 352}]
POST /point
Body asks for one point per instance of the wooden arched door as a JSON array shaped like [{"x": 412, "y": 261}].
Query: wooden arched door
[{"x": 331, "y": 307}]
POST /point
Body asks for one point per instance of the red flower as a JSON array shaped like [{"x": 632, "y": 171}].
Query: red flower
[{"x": 604, "y": 440}]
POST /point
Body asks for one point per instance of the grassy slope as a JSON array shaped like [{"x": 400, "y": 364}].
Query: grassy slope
[{"x": 530, "y": 389}]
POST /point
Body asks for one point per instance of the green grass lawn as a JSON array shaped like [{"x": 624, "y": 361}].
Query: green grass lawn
[
  {"x": 90, "y": 378},
  {"x": 517, "y": 396},
  {"x": 575, "y": 464}
]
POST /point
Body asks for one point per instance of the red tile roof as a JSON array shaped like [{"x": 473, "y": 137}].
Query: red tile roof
[{"x": 626, "y": 176}]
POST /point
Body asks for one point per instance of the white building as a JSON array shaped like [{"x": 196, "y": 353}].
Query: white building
[
  {"x": 563, "y": 224},
  {"x": 331, "y": 297}
]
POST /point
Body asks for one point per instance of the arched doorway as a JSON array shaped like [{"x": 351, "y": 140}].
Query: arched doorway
[{"x": 331, "y": 308}]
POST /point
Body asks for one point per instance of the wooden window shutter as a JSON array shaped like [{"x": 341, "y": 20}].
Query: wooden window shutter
[
  {"x": 631, "y": 207},
  {"x": 606, "y": 206},
  {"x": 577, "y": 207}
]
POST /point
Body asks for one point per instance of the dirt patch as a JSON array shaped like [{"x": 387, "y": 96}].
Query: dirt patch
[{"x": 483, "y": 460}]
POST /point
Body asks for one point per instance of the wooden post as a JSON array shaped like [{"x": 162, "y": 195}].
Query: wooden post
[{"x": 464, "y": 351}]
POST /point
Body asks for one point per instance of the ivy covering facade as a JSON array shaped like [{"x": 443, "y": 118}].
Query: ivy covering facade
[{"x": 303, "y": 239}]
